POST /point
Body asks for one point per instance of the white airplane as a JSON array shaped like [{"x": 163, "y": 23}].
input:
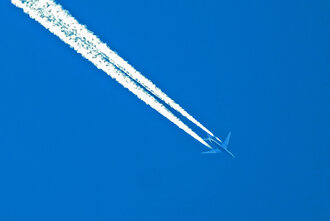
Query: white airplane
[{"x": 221, "y": 146}]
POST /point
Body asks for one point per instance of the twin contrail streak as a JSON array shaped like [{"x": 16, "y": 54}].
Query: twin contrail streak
[
  {"x": 123, "y": 65},
  {"x": 62, "y": 24},
  {"x": 146, "y": 83}
]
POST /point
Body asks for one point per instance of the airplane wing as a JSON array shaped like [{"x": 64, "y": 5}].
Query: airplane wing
[
  {"x": 226, "y": 142},
  {"x": 207, "y": 139},
  {"x": 210, "y": 151}
]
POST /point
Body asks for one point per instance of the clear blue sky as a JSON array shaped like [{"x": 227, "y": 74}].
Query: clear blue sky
[{"x": 76, "y": 145}]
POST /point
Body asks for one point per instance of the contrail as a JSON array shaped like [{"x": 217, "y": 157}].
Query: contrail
[
  {"x": 124, "y": 65},
  {"x": 58, "y": 21},
  {"x": 146, "y": 83}
]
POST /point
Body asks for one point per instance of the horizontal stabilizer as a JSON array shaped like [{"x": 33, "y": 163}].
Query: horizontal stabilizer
[{"x": 207, "y": 139}]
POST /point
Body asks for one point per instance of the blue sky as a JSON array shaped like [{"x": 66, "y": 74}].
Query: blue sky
[{"x": 76, "y": 145}]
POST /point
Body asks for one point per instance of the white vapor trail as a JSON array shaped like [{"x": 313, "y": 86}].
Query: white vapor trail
[
  {"x": 146, "y": 83},
  {"x": 58, "y": 21},
  {"x": 125, "y": 67}
]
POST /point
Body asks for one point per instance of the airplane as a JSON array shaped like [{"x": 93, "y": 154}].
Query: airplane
[{"x": 221, "y": 146}]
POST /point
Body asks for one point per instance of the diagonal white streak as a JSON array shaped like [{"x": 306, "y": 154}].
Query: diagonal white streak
[
  {"x": 59, "y": 22},
  {"x": 148, "y": 84},
  {"x": 123, "y": 65}
]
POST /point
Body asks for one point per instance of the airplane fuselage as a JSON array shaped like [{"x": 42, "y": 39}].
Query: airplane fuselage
[
  {"x": 220, "y": 147},
  {"x": 227, "y": 152}
]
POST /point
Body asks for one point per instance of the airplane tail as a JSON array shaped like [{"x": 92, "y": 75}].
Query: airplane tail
[{"x": 208, "y": 138}]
